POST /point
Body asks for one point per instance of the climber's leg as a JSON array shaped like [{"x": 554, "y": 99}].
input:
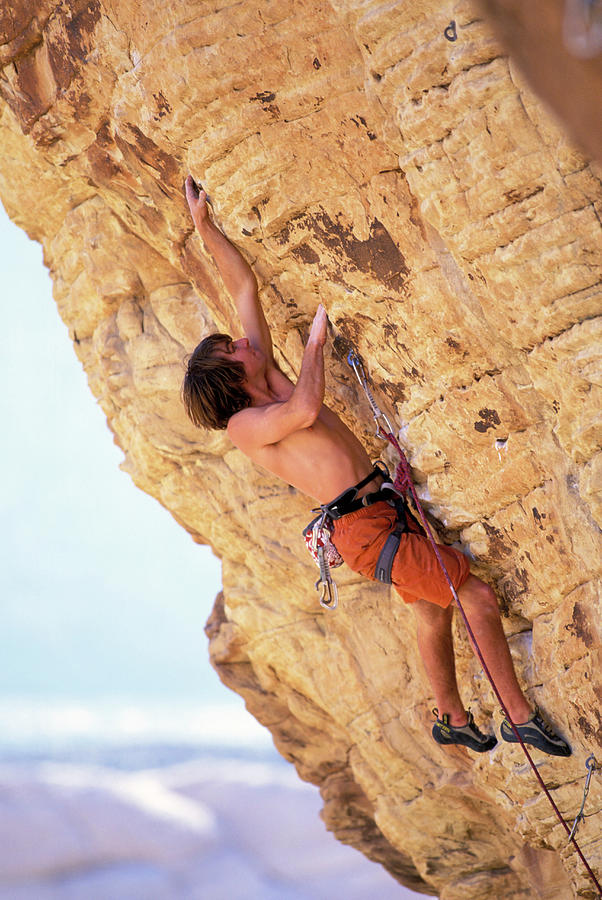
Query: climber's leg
[
  {"x": 435, "y": 644},
  {"x": 481, "y": 607}
]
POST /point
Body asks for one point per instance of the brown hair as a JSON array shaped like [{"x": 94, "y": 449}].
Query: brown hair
[{"x": 213, "y": 390}]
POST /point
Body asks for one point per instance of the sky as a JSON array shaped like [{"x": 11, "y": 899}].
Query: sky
[{"x": 101, "y": 592}]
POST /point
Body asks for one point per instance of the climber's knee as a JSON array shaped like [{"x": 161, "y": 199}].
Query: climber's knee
[{"x": 478, "y": 599}]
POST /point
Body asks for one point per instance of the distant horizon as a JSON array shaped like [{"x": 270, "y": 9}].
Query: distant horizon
[{"x": 48, "y": 724}]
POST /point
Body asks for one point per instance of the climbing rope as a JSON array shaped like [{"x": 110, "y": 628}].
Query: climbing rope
[{"x": 403, "y": 482}]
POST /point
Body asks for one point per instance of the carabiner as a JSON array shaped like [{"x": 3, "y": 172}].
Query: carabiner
[
  {"x": 354, "y": 361},
  {"x": 329, "y": 589},
  {"x": 380, "y": 433},
  {"x": 590, "y": 765}
]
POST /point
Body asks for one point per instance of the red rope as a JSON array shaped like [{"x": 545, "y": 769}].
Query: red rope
[{"x": 403, "y": 483}]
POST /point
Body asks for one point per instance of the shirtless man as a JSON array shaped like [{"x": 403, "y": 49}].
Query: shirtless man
[{"x": 287, "y": 429}]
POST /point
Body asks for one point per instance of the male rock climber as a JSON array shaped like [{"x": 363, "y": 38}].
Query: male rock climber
[{"x": 287, "y": 429}]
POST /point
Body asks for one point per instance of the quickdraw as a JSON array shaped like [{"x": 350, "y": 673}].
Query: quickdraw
[
  {"x": 326, "y": 556},
  {"x": 590, "y": 766}
]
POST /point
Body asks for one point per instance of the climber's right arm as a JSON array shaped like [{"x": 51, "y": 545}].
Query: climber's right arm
[{"x": 258, "y": 427}]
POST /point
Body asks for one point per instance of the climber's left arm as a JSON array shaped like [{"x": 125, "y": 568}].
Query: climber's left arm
[{"x": 237, "y": 275}]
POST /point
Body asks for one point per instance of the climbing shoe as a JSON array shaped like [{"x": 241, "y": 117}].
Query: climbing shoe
[
  {"x": 467, "y": 735},
  {"x": 537, "y": 733}
]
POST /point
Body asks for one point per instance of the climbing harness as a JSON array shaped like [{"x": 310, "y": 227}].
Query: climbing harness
[
  {"x": 403, "y": 483},
  {"x": 349, "y": 501},
  {"x": 318, "y": 534}
]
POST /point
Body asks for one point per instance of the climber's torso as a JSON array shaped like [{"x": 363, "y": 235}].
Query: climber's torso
[{"x": 321, "y": 460}]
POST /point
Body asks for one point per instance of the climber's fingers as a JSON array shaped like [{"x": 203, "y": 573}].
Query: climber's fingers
[{"x": 196, "y": 198}]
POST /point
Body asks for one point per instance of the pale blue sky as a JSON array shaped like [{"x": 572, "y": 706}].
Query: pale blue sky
[{"x": 101, "y": 592}]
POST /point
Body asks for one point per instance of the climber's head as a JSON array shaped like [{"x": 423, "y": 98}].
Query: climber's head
[{"x": 213, "y": 388}]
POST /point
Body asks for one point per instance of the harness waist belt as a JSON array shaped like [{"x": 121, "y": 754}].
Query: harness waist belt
[
  {"x": 348, "y": 501},
  {"x": 342, "y": 508}
]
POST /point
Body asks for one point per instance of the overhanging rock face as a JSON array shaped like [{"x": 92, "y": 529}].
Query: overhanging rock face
[{"x": 418, "y": 189}]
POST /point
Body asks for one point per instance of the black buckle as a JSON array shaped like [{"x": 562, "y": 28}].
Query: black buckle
[{"x": 340, "y": 505}]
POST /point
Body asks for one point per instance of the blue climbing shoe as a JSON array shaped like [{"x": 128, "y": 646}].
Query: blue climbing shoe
[
  {"x": 537, "y": 733},
  {"x": 467, "y": 735}
]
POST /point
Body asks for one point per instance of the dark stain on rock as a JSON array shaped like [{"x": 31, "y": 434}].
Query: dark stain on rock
[
  {"x": 146, "y": 150},
  {"x": 306, "y": 254},
  {"x": 377, "y": 256},
  {"x": 580, "y": 626},
  {"x": 352, "y": 326},
  {"x": 498, "y": 549},
  {"x": 395, "y": 393},
  {"x": 585, "y": 727},
  {"x": 266, "y": 98},
  {"x": 100, "y": 156},
  {"x": 517, "y": 195},
  {"x": 342, "y": 347},
  {"x": 522, "y": 579},
  {"x": 457, "y": 346},
  {"x": 514, "y": 587},
  {"x": 20, "y": 100},
  {"x": 415, "y": 216},
  {"x": 359, "y": 120},
  {"x": 489, "y": 419},
  {"x": 163, "y": 107},
  {"x": 81, "y": 27},
  {"x": 592, "y": 731},
  {"x": 392, "y": 337},
  {"x": 539, "y": 517},
  {"x": 284, "y": 236},
  {"x": 73, "y": 43},
  {"x": 84, "y": 103}
]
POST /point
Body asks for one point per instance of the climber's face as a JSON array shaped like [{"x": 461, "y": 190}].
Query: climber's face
[{"x": 242, "y": 351}]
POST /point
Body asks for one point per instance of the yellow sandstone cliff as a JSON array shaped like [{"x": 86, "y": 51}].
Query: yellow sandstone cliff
[{"x": 419, "y": 189}]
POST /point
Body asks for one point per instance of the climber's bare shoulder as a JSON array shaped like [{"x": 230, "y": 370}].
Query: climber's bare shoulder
[{"x": 269, "y": 419}]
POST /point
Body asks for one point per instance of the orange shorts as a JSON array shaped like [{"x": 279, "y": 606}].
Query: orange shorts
[{"x": 360, "y": 535}]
